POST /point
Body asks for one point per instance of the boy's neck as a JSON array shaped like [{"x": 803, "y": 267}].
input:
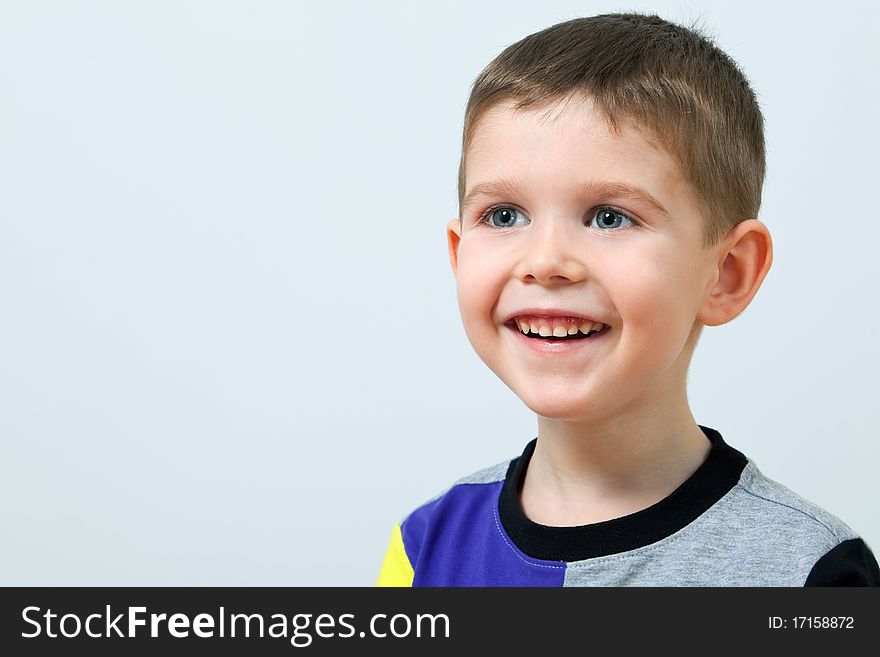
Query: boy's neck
[{"x": 578, "y": 476}]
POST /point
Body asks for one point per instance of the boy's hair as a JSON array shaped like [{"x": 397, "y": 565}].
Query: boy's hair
[{"x": 672, "y": 81}]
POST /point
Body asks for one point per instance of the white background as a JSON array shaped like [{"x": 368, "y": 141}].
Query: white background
[{"x": 230, "y": 347}]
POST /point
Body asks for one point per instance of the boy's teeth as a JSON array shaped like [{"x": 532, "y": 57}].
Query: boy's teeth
[{"x": 557, "y": 330}]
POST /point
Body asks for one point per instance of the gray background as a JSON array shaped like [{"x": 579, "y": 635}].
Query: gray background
[{"x": 230, "y": 347}]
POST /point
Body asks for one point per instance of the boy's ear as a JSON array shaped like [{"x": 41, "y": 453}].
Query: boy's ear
[
  {"x": 453, "y": 237},
  {"x": 743, "y": 259}
]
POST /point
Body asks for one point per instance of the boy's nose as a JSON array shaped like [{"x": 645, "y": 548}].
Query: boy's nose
[{"x": 549, "y": 253}]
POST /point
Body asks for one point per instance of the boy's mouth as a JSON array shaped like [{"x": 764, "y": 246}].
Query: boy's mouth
[{"x": 558, "y": 330}]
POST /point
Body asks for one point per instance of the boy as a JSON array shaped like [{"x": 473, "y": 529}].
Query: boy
[{"x": 592, "y": 322}]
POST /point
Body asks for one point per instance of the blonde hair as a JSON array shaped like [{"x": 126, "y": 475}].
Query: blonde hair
[{"x": 669, "y": 80}]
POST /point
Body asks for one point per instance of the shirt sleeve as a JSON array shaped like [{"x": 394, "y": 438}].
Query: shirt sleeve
[
  {"x": 849, "y": 563},
  {"x": 396, "y": 569}
]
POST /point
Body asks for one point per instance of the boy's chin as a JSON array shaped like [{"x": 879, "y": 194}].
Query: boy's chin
[{"x": 567, "y": 408}]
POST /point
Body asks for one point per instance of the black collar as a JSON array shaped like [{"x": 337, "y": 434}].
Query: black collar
[{"x": 718, "y": 474}]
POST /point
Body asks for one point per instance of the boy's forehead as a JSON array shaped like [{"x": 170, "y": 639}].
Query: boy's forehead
[
  {"x": 563, "y": 117},
  {"x": 566, "y": 142}
]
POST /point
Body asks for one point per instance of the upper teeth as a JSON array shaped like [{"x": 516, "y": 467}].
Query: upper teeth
[{"x": 545, "y": 330}]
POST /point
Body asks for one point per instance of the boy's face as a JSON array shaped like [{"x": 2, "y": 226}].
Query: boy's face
[{"x": 544, "y": 243}]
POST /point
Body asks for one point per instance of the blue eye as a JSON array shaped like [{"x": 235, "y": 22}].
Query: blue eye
[
  {"x": 607, "y": 218},
  {"x": 505, "y": 214}
]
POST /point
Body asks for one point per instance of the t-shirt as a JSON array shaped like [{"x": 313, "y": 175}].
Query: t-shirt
[{"x": 726, "y": 525}]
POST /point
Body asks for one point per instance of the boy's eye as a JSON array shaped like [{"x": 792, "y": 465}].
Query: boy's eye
[
  {"x": 504, "y": 216},
  {"x": 607, "y": 218}
]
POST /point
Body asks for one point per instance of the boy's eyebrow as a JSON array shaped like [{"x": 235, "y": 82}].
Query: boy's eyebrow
[
  {"x": 500, "y": 187},
  {"x": 504, "y": 187},
  {"x": 623, "y": 190}
]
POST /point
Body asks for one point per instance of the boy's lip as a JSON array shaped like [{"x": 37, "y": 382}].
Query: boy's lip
[
  {"x": 549, "y": 313},
  {"x": 548, "y": 346}
]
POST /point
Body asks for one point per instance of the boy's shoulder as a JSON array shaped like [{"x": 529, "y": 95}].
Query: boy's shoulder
[
  {"x": 769, "y": 498},
  {"x": 491, "y": 477},
  {"x": 488, "y": 475},
  {"x": 780, "y": 526},
  {"x": 454, "y": 516},
  {"x": 773, "y": 515}
]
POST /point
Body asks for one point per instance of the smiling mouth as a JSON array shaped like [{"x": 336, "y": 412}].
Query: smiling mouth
[{"x": 512, "y": 325}]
